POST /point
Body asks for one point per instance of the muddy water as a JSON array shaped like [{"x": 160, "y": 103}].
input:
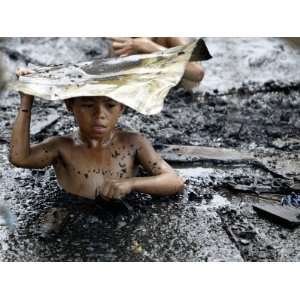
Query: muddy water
[{"x": 213, "y": 219}]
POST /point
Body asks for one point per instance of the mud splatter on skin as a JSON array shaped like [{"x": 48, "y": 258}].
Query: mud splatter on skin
[
  {"x": 122, "y": 165},
  {"x": 115, "y": 154},
  {"x": 155, "y": 169},
  {"x": 46, "y": 150}
]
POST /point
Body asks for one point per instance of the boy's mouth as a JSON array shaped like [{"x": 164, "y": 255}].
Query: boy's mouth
[{"x": 98, "y": 128}]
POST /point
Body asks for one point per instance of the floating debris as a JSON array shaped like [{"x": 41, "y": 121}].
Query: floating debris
[{"x": 291, "y": 200}]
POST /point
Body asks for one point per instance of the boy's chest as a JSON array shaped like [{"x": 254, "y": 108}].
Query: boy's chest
[{"x": 116, "y": 162}]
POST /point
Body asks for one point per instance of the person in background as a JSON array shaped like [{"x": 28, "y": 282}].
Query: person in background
[{"x": 124, "y": 46}]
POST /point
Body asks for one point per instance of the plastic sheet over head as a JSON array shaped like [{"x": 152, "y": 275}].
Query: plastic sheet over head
[{"x": 139, "y": 81}]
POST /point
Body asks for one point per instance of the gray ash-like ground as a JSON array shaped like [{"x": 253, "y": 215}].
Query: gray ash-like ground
[{"x": 210, "y": 221}]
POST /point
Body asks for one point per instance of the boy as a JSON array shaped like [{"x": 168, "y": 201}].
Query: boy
[
  {"x": 194, "y": 71},
  {"x": 98, "y": 160}
]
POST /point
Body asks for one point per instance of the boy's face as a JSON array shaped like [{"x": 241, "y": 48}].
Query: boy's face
[{"x": 96, "y": 116}]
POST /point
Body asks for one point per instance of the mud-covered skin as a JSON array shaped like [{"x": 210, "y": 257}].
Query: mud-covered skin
[
  {"x": 194, "y": 226},
  {"x": 82, "y": 170}
]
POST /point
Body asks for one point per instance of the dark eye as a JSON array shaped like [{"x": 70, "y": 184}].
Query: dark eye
[
  {"x": 87, "y": 105},
  {"x": 111, "y": 105}
]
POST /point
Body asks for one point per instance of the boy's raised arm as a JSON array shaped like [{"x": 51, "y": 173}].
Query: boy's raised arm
[{"x": 22, "y": 154}]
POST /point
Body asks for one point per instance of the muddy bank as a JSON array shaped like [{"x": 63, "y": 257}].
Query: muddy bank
[
  {"x": 213, "y": 219},
  {"x": 256, "y": 60}
]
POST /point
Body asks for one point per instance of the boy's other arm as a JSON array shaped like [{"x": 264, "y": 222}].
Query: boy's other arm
[
  {"x": 163, "y": 179},
  {"x": 22, "y": 154}
]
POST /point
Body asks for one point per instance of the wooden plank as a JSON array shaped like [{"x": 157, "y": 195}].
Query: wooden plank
[{"x": 284, "y": 215}]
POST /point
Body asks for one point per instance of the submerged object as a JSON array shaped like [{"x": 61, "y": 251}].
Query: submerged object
[{"x": 139, "y": 81}]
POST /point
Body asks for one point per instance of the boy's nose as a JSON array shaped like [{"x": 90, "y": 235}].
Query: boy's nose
[{"x": 99, "y": 111}]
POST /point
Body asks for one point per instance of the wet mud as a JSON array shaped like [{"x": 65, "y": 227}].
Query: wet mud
[{"x": 255, "y": 118}]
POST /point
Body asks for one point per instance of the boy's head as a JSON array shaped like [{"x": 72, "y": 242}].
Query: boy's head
[{"x": 96, "y": 116}]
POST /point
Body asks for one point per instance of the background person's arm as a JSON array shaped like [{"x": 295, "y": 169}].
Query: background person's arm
[
  {"x": 123, "y": 46},
  {"x": 194, "y": 72}
]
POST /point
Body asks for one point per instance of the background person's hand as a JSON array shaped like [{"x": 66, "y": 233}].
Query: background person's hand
[
  {"x": 23, "y": 72},
  {"x": 115, "y": 189},
  {"x": 127, "y": 46},
  {"x": 123, "y": 46}
]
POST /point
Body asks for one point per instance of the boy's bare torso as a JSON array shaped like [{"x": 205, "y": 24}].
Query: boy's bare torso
[{"x": 83, "y": 170}]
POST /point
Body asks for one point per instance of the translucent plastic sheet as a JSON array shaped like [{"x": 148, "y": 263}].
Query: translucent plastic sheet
[{"x": 138, "y": 81}]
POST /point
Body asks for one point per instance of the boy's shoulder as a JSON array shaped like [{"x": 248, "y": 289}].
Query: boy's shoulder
[
  {"x": 127, "y": 137},
  {"x": 59, "y": 140}
]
